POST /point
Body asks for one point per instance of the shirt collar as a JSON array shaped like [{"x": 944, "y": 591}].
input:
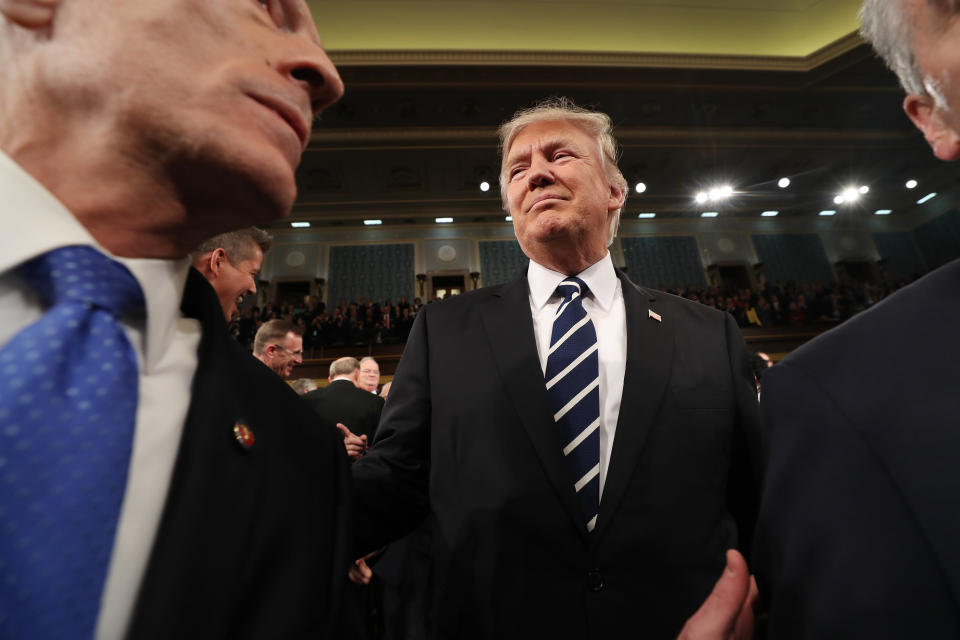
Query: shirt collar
[
  {"x": 600, "y": 278},
  {"x": 36, "y": 222}
]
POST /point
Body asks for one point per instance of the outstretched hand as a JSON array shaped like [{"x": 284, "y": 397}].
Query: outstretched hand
[{"x": 727, "y": 613}]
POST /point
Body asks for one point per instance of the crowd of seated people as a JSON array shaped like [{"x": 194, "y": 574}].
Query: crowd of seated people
[
  {"x": 360, "y": 322},
  {"x": 364, "y": 321},
  {"x": 789, "y": 303}
]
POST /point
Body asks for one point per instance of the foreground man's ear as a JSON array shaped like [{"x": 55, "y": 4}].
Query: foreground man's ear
[
  {"x": 928, "y": 117},
  {"x": 29, "y": 14}
]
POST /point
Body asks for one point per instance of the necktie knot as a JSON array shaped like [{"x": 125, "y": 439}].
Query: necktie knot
[
  {"x": 83, "y": 275},
  {"x": 571, "y": 289}
]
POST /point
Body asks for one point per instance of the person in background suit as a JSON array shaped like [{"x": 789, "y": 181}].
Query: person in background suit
[
  {"x": 515, "y": 551},
  {"x": 279, "y": 345},
  {"x": 858, "y": 526},
  {"x": 369, "y": 375},
  {"x": 135, "y": 130},
  {"x": 231, "y": 262},
  {"x": 344, "y": 402},
  {"x": 303, "y": 385}
]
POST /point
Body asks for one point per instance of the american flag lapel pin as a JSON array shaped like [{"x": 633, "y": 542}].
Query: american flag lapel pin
[{"x": 653, "y": 314}]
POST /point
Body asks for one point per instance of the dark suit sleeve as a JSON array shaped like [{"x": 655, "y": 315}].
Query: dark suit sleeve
[
  {"x": 390, "y": 482},
  {"x": 838, "y": 552},
  {"x": 743, "y": 495}
]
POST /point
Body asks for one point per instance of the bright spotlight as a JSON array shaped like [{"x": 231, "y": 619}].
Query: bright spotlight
[
  {"x": 701, "y": 197},
  {"x": 911, "y": 184},
  {"x": 726, "y": 191},
  {"x": 783, "y": 183},
  {"x": 641, "y": 187},
  {"x": 715, "y": 194},
  {"x": 850, "y": 194},
  {"x": 864, "y": 190},
  {"x": 484, "y": 186}
]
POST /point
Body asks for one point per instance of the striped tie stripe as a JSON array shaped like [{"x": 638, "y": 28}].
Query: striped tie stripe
[{"x": 573, "y": 385}]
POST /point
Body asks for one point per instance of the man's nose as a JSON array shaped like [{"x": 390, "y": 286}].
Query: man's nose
[
  {"x": 540, "y": 173},
  {"x": 310, "y": 66}
]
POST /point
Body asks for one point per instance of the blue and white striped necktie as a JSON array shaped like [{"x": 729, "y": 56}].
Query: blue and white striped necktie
[{"x": 573, "y": 384}]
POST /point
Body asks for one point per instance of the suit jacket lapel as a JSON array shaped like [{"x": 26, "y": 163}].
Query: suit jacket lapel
[
  {"x": 509, "y": 327},
  {"x": 204, "y": 524},
  {"x": 649, "y": 360}
]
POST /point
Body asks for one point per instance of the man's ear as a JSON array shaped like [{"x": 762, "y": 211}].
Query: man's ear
[
  {"x": 216, "y": 261},
  {"x": 927, "y": 117},
  {"x": 29, "y": 14},
  {"x": 617, "y": 197}
]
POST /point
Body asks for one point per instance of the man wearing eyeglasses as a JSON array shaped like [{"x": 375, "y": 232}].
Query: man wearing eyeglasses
[{"x": 279, "y": 345}]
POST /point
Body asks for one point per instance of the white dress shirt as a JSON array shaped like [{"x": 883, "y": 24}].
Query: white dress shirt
[
  {"x": 35, "y": 222},
  {"x": 604, "y": 305}
]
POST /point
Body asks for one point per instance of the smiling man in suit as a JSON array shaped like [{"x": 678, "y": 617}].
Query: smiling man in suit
[
  {"x": 602, "y": 463},
  {"x": 165, "y": 484}
]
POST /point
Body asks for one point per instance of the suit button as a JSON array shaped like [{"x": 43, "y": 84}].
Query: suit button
[{"x": 595, "y": 581}]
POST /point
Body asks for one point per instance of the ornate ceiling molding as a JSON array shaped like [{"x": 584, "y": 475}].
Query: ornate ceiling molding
[{"x": 345, "y": 58}]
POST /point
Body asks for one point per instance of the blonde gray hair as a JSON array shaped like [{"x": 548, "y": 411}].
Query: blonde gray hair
[
  {"x": 886, "y": 25},
  {"x": 596, "y": 124}
]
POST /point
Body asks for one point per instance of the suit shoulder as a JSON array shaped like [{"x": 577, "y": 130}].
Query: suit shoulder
[{"x": 677, "y": 305}]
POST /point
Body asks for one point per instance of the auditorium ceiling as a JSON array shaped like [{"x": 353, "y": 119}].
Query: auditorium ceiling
[{"x": 703, "y": 93}]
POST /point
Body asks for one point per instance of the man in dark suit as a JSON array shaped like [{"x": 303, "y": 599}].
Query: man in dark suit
[
  {"x": 858, "y": 526},
  {"x": 527, "y": 543},
  {"x": 344, "y": 402},
  {"x": 134, "y": 131}
]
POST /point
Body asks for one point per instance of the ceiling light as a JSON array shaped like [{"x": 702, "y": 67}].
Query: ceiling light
[
  {"x": 641, "y": 187},
  {"x": 927, "y": 198},
  {"x": 911, "y": 184},
  {"x": 443, "y": 220},
  {"x": 827, "y": 212},
  {"x": 864, "y": 190},
  {"x": 371, "y": 223},
  {"x": 770, "y": 214},
  {"x": 299, "y": 225},
  {"x": 883, "y": 212},
  {"x": 709, "y": 214},
  {"x": 484, "y": 186},
  {"x": 647, "y": 215},
  {"x": 509, "y": 218},
  {"x": 850, "y": 194},
  {"x": 783, "y": 183}
]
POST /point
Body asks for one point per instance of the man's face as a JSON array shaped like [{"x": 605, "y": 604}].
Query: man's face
[
  {"x": 369, "y": 375},
  {"x": 237, "y": 280},
  {"x": 289, "y": 352},
  {"x": 215, "y": 96},
  {"x": 936, "y": 47},
  {"x": 558, "y": 193}
]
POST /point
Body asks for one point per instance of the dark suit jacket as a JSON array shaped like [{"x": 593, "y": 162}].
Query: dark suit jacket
[
  {"x": 859, "y": 533},
  {"x": 252, "y": 542},
  {"x": 341, "y": 401},
  {"x": 468, "y": 431}
]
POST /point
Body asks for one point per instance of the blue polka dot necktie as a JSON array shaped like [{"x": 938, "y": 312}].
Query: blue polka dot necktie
[
  {"x": 68, "y": 400},
  {"x": 573, "y": 386}
]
